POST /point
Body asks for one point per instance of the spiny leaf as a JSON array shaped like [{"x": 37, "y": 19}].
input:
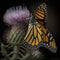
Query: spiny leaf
[{"x": 15, "y": 36}]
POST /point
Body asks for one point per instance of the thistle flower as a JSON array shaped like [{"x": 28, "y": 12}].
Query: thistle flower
[{"x": 16, "y": 15}]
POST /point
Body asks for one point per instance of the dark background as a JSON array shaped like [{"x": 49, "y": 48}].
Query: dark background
[{"x": 53, "y": 22}]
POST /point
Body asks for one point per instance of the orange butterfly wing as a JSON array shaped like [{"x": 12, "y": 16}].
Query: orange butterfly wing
[{"x": 37, "y": 33}]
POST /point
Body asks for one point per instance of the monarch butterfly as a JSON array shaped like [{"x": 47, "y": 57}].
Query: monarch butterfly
[{"x": 37, "y": 33}]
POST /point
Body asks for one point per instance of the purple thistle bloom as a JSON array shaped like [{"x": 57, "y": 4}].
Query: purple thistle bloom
[{"x": 16, "y": 15}]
